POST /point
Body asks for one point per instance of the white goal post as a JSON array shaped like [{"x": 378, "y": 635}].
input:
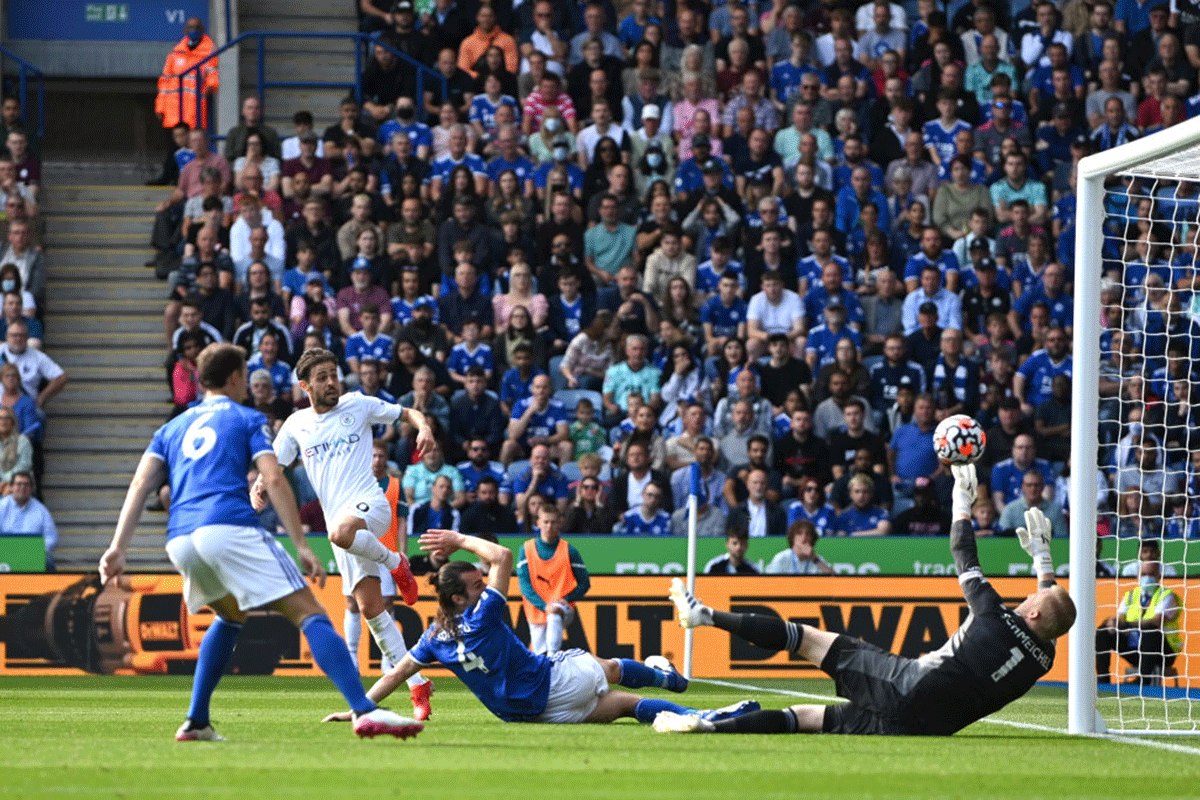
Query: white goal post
[{"x": 1169, "y": 156}]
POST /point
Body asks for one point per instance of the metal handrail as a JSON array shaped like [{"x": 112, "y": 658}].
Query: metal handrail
[
  {"x": 28, "y": 69},
  {"x": 262, "y": 84}
]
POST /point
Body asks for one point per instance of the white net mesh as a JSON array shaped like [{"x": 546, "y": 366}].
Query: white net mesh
[{"x": 1149, "y": 447}]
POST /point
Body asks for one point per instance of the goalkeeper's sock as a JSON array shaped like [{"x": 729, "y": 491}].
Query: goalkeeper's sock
[
  {"x": 330, "y": 653},
  {"x": 771, "y": 633},
  {"x": 783, "y": 721},
  {"x": 215, "y": 650},
  {"x": 647, "y": 709},
  {"x": 636, "y": 675},
  {"x": 366, "y": 545}
]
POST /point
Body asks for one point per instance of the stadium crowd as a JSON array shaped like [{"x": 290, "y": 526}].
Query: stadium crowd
[
  {"x": 780, "y": 240},
  {"x": 28, "y": 377}
]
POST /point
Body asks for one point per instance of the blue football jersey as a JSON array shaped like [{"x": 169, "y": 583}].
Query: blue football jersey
[
  {"x": 461, "y": 359},
  {"x": 487, "y": 656},
  {"x": 208, "y": 450},
  {"x": 724, "y": 319},
  {"x": 380, "y": 348}
]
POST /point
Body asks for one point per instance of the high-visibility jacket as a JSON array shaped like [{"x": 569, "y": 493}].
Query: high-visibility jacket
[
  {"x": 1134, "y": 613},
  {"x": 552, "y": 579},
  {"x": 170, "y": 85},
  {"x": 391, "y": 539}
]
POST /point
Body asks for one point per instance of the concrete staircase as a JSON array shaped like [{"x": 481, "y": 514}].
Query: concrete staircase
[
  {"x": 103, "y": 326},
  {"x": 288, "y": 59}
]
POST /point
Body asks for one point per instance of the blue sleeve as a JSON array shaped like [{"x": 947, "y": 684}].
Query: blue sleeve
[
  {"x": 422, "y": 651},
  {"x": 260, "y": 434},
  {"x": 911, "y": 270},
  {"x": 493, "y": 606},
  {"x": 489, "y": 361},
  {"x": 158, "y": 445},
  {"x": 561, "y": 490}
]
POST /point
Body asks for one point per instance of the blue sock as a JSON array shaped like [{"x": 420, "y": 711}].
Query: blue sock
[
  {"x": 215, "y": 649},
  {"x": 647, "y": 709},
  {"x": 636, "y": 675},
  {"x": 330, "y": 653}
]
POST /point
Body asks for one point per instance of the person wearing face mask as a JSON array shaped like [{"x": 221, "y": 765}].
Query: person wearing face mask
[
  {"x": 194, "y": 47},
  {"x": 560, "y": 159},
  {"x": 406, "y": 122},
  {"x": 1145, "y": 631},
  {"x": 652, "y": 151},
  {"x": 541, "y": 143}
]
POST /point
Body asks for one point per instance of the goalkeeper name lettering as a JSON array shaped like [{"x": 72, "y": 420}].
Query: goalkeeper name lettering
[{"x": 1027, "y": 642}]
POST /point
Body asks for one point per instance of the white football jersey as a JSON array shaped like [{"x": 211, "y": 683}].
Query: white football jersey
[{"x": 336, "y": 449}]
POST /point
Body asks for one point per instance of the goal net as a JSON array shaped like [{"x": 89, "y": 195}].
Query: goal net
[{"x": 1134, "y": 489}]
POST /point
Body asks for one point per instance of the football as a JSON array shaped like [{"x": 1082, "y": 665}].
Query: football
[{"x": 959, "y": 440}]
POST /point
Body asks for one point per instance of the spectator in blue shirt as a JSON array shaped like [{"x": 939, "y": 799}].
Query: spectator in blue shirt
[
  {"x": 910, "y": 452},
  {"x": 537, "y": 420},
  {"x": 515, "y": 383},
  {"x": 863, "y": 517},
  {"x": 1006, "y": 477},
  {"x": 541, "y": 477},
  {"x": 648, "y": 519},
  {"x": 854, "y": 195},
  {"x": 1033, "y": 382}
]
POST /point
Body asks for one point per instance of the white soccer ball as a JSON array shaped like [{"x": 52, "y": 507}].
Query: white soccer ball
[{"x": 959, "y": 440}]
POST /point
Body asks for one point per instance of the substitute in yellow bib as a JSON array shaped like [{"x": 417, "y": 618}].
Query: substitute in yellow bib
[
  {"x": 553, "y": 577},
  {"x": 1145, "y": 631}
]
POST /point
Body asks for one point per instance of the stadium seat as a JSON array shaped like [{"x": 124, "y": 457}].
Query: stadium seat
[
  {"x": 558, "y": 381},
  {"x": 515, "y": 469},
  {"x": 571, "y": 397}
]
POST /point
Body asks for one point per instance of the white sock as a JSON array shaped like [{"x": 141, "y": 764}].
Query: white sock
[
  {"x": 365, "y": 545},
  {"x": 352, "y": 627},
  {"x": 554, "y": 633},
  {"x": 391, "y": 643}
]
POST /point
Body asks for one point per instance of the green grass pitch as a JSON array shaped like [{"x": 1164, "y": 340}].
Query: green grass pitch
[{"x": 112, "y": 737}]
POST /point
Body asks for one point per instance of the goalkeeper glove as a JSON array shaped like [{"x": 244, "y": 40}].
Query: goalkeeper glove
[
  {"x": 966, "y": 482},
  {"x": 1035, "y": 540}
]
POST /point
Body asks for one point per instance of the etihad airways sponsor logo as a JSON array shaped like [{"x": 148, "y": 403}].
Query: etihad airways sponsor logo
[{"x": 338, "y": 444}]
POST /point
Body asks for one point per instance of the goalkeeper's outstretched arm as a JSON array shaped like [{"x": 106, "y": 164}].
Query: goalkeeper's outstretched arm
[{"x": 962, "y": 533}]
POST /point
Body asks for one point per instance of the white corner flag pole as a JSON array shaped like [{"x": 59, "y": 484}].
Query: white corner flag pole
[{"x": 693, "y": 512}]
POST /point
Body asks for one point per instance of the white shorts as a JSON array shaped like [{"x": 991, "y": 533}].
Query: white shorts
[
  {"x": 352, "y": 568},
  {"x": 248, "y": 563},
  {"x": 577, "y": 682}
]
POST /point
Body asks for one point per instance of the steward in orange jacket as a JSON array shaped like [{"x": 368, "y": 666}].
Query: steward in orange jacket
[{"x": 192, "y": 49}]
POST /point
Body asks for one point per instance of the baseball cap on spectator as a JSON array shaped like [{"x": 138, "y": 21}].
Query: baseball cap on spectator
[
  {"x": 979, "y": 244},
  {"x": 560, "y": 141},
  {"x": 423, "y": 302},
  {"x": 712, "y": 166},
  {"x": 314, "y": 277},
  {"x": 403, "y": 6},
  {"x": 700, "y": 140},
  {"x": 651, "y": 112},
  {"x": 361, "y": 263},
  {"x": 835, "y": 304},
  {"x": 1062, "y": 110},
  {"x": 1158, "y": 5}
]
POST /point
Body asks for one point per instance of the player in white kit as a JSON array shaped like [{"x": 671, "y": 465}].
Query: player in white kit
[{"x": 333, "y": 440}]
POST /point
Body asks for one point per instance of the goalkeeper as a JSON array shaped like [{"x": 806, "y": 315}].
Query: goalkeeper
[{"x": 994, "y": 658}]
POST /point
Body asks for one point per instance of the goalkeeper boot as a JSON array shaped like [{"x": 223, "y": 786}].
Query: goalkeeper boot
[
  {"x": 674, "y": 682},
  {"x": 692, "y": 613},
  {"x": 731, "y": 711},
  {"x": 670, "y": 722},
  {"x": 189, "y": 733},
  {"x": 381, "y": 722}
]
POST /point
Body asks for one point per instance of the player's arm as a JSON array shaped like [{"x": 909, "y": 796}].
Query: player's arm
[
  {"x": 383, "y": 687},
  {"x": 500, "y": 557},
  {"x": 279, "y": 490},
  {"x": 583, "y": 581},
  {"x": 150, "y": 473},
  {"x": 416, "y": 419},
  {"x": 980, "y": 596}
]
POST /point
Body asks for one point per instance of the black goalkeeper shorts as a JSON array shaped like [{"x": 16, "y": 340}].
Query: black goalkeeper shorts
[{"x": 879, "y": 686}]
